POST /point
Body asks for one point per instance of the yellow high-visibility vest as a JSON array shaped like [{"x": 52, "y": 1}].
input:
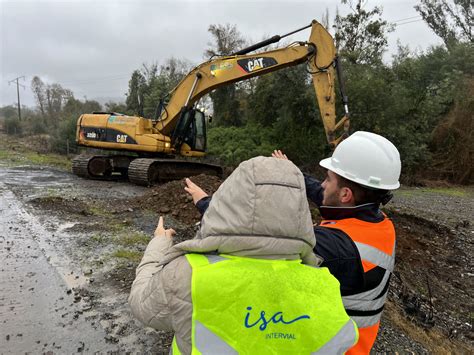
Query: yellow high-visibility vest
[{"x": 259, "y": 306}]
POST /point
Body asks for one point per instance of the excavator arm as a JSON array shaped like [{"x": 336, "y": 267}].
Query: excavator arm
[{"x": 319, "y": 52}]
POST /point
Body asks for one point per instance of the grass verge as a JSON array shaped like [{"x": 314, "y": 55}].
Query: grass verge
[
  {"x": 128, "y": 254},
  {"x": 447, "y": 191},
  {"x": 134, "y": 238},
  {"x": 17, "y": 151}
]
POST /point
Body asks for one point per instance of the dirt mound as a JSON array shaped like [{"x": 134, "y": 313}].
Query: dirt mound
[{"x": 170, "y": 198}]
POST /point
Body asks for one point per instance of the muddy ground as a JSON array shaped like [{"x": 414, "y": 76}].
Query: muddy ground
[{"x": 69, "y": 249}]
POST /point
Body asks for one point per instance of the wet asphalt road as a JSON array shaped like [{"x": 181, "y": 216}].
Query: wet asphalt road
[{"x": 39, "y": 309}]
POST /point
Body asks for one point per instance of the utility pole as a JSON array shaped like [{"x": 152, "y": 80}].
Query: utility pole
[{"x": 18, "y": 93}]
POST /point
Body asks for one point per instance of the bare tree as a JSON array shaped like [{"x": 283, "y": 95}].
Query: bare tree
[
  {"x": 227, "y": 40},
  {"x": 361, "y": 36},
  {"x": 37, "y": 86},
  {"x": 325, "y": 19},
  {"x": 174, "y": 70},
  {"x": 56, "y": 97}
]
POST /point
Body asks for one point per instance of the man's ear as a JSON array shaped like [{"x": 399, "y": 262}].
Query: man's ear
[{"x": 346, "y": 196}]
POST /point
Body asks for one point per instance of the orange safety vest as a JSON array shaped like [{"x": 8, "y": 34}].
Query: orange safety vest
[{"x": 376, "y": 245}]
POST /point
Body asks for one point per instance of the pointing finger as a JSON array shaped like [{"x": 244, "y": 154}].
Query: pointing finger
[{"x": 190, "y": 183}]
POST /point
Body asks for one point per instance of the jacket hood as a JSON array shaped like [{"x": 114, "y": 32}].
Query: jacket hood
[{"x": 260, "y": 210}]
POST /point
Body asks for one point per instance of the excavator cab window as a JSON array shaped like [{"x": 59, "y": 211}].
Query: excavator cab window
[
  {"x": 200, "y": 129},
  {"x": 191, "y": 129}
]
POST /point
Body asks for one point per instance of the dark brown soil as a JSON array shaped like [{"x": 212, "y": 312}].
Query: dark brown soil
[
  {"x": 430, "y": 289},
  {"x": 171, "y": 199}
]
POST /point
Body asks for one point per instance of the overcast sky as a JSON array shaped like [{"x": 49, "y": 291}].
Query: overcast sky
[{"x": 92, "y": 47}]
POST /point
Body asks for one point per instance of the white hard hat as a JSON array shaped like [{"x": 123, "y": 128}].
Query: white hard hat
[{"x": 367, "y": 159}]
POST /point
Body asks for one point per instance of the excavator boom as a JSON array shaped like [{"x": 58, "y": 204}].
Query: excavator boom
[{"x": 319, "y": 51}]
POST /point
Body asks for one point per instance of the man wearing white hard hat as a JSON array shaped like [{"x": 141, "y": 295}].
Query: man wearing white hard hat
[
  {"x": 355, "y": 236},
  {"x": 355, "y": 239}
]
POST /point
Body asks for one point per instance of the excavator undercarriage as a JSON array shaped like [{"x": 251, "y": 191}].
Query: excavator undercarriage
[{"x": 140, "y": 171}]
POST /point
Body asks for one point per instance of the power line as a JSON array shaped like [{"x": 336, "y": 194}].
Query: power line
[
  {"x": 406, "y": 18},
  {"x": 18, "y": 93},
  {"x": 106, "y": 78},
  {"x": 405, "y": 23},
  {"x": 96, "y": 92}
]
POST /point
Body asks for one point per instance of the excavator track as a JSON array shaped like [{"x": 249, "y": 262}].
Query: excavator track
[
  {"x": 79, "y": 166},
  {"x": 101, "y": 167},
  {"x": 147, "y": 172},
  {"x": 138, "y": 171}
]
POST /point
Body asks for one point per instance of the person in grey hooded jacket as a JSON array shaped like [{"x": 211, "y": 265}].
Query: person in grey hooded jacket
[{"x": 260, "y": 211}]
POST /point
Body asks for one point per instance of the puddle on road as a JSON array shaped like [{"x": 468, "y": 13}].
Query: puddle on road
[
  {"x": 63, "y": 226},
  {"x": 36, "y": 181},
  {"x": 37, "y": 176},
  {"x": 52, "y": 234},
  {"x": 52, "y": 244},
  {"x": 38, "y": 310},
  {"x": 56, "y": 308}
]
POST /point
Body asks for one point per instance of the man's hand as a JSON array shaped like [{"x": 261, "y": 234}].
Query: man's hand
[
  {"x": 279, "y": 155},
  {"x": 195, "y": 191},
  {"x": 160, "y": 231}
]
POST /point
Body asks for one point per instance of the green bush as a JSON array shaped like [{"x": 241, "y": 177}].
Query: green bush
[
  {"x": 233, "y": 145},
  {"x": 64, "y": 137},
  {"x": 12, "y": 126},
  {"x": 37, "y": 125}
]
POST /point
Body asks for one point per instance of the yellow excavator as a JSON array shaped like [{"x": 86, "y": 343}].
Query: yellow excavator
[{"x": 161, "y": 145}]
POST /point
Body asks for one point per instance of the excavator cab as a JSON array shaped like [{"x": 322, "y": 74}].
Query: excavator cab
[{"x": 190, "y": 130}]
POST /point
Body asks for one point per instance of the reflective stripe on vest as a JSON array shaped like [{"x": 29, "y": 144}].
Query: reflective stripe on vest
[
  {"x": 375, "y": 256},
  {"x": 376, "y": 245},
  {"x": 254, "y": 306},
  {"x": 367, "y": 301},
  {"x": 214, "y": 345},
  {"x": 341, "y": 342},
  {"x": 366, "y": 321}
]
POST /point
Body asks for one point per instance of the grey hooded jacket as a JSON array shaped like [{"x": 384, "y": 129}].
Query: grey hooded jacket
[{"x": 260, "y": 211}]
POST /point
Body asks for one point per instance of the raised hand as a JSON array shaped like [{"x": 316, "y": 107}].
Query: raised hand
[
  {"x": 279, "y": 155},
  {"x": 160, "y": 230},
  {"x": 194, "y": 190}
]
